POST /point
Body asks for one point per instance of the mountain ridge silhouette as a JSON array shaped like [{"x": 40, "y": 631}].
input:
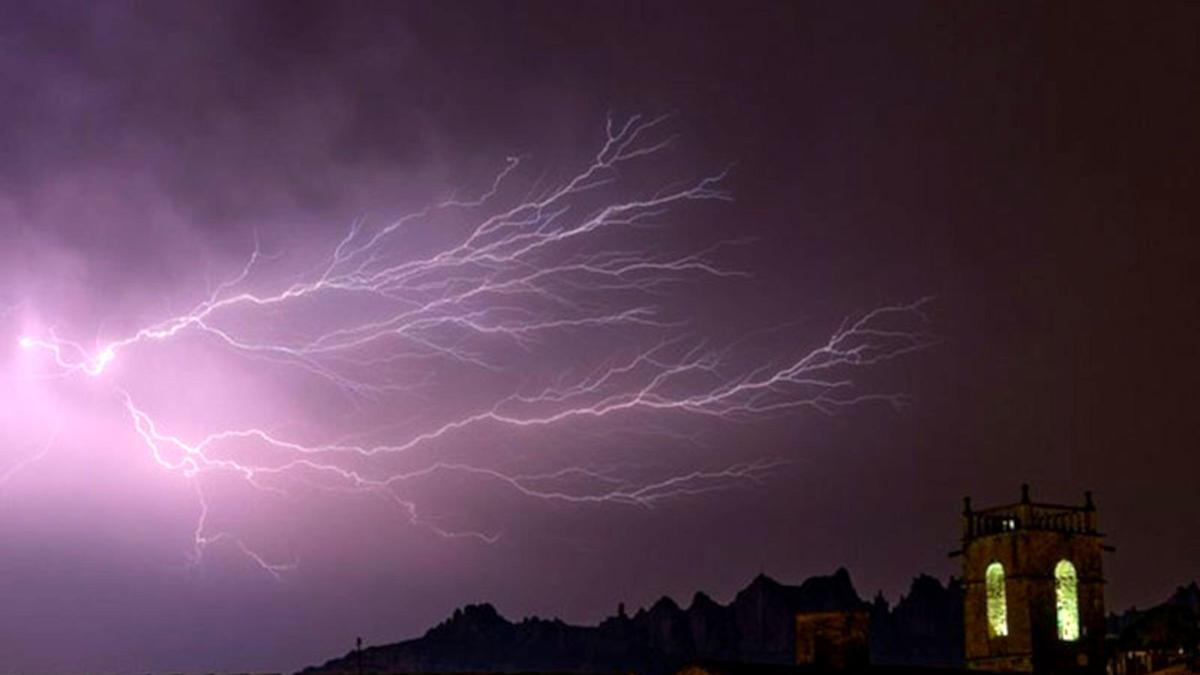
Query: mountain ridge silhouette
[{"x": 758, "y": 625}]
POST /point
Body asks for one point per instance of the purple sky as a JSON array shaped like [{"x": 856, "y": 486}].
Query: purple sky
[{"x": 640, "y": 388}]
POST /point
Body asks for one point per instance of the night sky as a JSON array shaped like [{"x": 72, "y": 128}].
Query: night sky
[{"x": 1004, "y": 196}]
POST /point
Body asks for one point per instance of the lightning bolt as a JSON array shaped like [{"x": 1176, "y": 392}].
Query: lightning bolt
[
  {"x": 16, "y": 467},
  {"x": 529, "y": 272}
]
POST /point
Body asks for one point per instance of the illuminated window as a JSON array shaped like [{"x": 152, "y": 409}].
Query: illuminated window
[
  {"x": 997, "y": 606},
  {"x": 1066, "y": 595}
]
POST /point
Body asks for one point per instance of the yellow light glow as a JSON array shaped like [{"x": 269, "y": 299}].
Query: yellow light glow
[
  {"x": 997, "y": 604},
  {"x": 1066, "y": 595}
]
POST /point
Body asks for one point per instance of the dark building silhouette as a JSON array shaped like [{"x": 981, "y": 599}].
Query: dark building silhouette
[
  {"x": 833, "y": 640},
  {"x": 1033, "y": 587}
]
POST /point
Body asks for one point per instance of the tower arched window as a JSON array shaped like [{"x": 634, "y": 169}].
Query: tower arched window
[
  {"x": 1066, "y": 597},
  {"x": 997, "y": 603}
]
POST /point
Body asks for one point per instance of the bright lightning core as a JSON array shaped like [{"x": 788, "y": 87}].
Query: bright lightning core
[{"x": 549, "y": 311}]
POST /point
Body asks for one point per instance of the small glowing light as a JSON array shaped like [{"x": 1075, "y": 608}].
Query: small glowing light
[{"x": 25, "y": 342}]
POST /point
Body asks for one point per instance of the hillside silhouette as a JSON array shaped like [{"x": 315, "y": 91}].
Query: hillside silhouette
[
  {"x": 924, "y": 628},
  {"x": 1173, "y": 625}
]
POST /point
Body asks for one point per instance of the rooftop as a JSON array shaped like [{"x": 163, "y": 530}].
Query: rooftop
[{"x": 1029, "y": 515}]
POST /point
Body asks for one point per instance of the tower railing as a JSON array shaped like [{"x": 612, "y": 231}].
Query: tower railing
[{"x": 1041, "y": 517}]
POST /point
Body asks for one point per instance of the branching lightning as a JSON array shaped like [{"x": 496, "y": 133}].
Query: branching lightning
[{"x": 528, "y": 272}]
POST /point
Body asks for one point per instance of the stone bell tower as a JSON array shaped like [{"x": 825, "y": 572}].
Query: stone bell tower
[{"x": 1034, "y": 587}]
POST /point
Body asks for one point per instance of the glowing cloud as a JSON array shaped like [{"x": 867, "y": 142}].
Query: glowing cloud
[{"x": 531, "y": 272}]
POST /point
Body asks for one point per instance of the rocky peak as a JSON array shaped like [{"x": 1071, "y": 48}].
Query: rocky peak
[{"x": 1186, "y": 596}]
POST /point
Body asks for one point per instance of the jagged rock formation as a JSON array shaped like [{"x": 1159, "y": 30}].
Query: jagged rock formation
[
  {"x": 925, "y": 628},
  {"x": 1186, "y": 596},
  {"x": 759, "y": 625}
]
